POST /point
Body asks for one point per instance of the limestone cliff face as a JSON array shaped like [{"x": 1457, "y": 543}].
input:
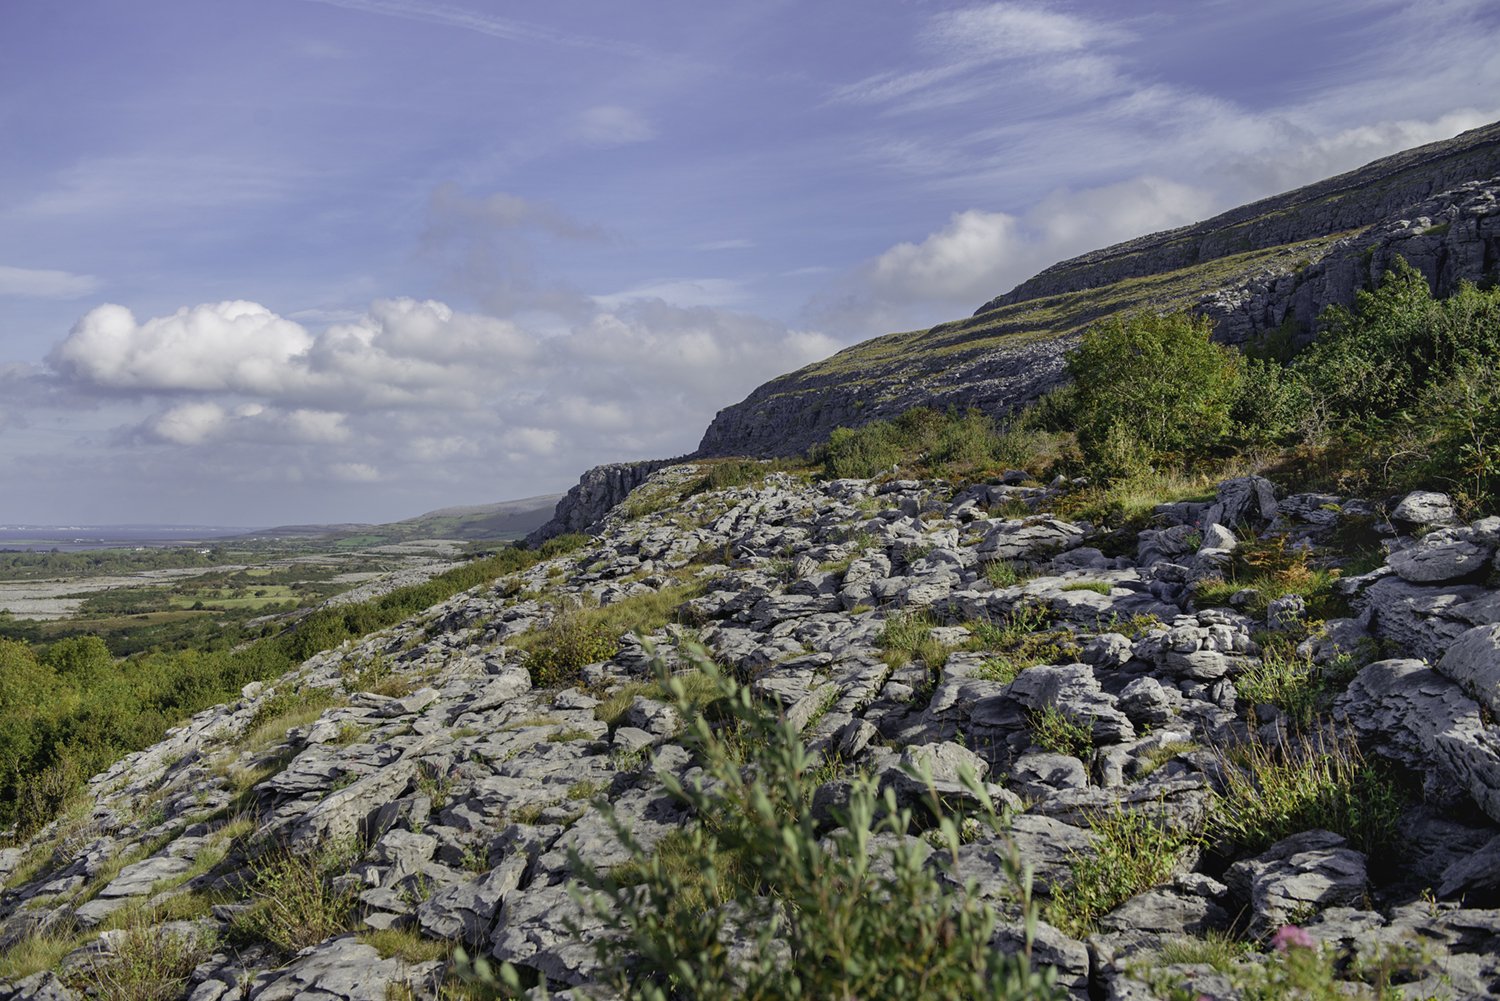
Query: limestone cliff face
[
  {"x": 596, "y": 492},
  {"x": 787, "y": 416},
  {"x": 1349, "y": 201},
  {"x": 1250, "y": 270},
  {"x": 1451, "y": 237}
]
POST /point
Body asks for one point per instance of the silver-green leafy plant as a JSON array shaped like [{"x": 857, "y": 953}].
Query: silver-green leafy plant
[{"x": 756, "y": 900}]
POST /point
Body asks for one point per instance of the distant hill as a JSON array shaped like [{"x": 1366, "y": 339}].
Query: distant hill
[
  {"x": 1243, "y": 268},
  {"x": 510, "y": 519}
]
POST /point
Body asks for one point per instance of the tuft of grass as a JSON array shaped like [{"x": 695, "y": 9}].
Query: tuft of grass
[
  {"x": 1272, "y": 568},
  {"x": 908, "y": 637},
  {"x": 284, "y": 711},
  {"x": 1158, "y": 756},
  {"x": 1317, "y": 782},
  {"x": 1057, "y": 733},
  {"x": 376, "y": 676},
  {"x": 1132, "y": 851},
  {"x": 1129, "y": 502},
  {"x": 586, "y": 789},
  {"x": 1004, "y": 573},
  {"x": 1020, "y": 641},
  {"x": 585, "y": 636},
  {"x": 729, "y": 473},
  {"x": 1097, "y": 586},
  {"x": 406, "y": 945},
  {"x": 293, "y": 901},
  {"x": 36, "y": 953},
  {"x": 1290, "y": 683},
  {"x": 145, "y": 964},
  {"x": 699, "y": 688}
]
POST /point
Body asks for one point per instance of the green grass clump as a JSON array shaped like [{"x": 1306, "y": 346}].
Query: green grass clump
[
  {"x": 1132, "y": 851},
  {"x": 36, "y": 953},
  {"x": 145, "y": 964},
  {"x": 907, "y": 638},
  {"x": 816, "y": 906},
  {"x": 1320, "y": 782},
  {"x": 1272, "y": 568},
  {"x": 700, "y": 690},
  {"x": 406, "y": 945},
  {"x": 293, "y": 901},
  {"x": 1290, "y": 683},
  {"x": 952, "y": 445},
  {"x": 577, "y": 638},
  {"x": 1097, "y": 586},
  {"x": 1019, "y": 641},
  {"x": 1004, "y": 573},
  {"x": 727, "y": 474},
  {"x": 1055, "y": 732}
]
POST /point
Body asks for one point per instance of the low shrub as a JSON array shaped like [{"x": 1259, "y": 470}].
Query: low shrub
[
  {"x": 293, "y": 901},
  {"x": 1322, "y": 781},
  {"x": 146, "y": 963},
  {"x": 1053, "y": 731},
  {"x": 908, "y": 637},
  {"x": 815, "y": 907},
  {"x": 1132, "y": 851},
  {"x": 583, "y": 636},
  {"x": 926, "y": 440}
]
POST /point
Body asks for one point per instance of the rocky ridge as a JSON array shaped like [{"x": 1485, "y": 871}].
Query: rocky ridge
[
  {"x": 1348, "y": 201},
  {"x": 1249, "y": 270},
  {"x": 457, "y": 794}
]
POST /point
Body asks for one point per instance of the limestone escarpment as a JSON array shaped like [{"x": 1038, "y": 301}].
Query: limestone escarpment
[
  {"x": 469, "y": 788},
  {"x": 1352, "y": 200},
  {"x": 1250, "y": 270},
  {"x": 591, "y": 498},
  {"x": 1451, "y": 237}
]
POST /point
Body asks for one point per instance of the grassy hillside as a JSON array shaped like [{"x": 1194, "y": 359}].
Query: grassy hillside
[{"x": 500, "y": 521}]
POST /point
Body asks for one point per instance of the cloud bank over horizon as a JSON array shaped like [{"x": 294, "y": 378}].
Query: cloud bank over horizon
[{"x": 439, "y": 256}]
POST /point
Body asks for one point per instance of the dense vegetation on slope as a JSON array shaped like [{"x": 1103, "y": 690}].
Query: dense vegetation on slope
[
  {"x": 1400, "y": 391},
  {"x": 73, "y": 709}
]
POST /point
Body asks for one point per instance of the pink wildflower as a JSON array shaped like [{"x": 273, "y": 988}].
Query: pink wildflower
[{"x": 1291, "y": 937}]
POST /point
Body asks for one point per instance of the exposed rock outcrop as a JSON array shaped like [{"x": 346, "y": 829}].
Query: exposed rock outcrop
[
  {"x": 1451, "y": 237},
  {"x": 460, "y": 795},
  {"x": 1280, "y": 260},
  {"x": 593, "y": 496},
  {"x": 1349, "y": 201}
]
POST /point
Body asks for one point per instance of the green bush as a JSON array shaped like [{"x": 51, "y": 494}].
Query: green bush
[
  {"x": 1375, "y": 360},
  {"x": 1321, "y": 782},
  {"x": 827, "y": 915},
  {"x": 926, "y": 440},
  {"x": 293, "y": 901},
  {"x": 1132, "y": 851},
  {"x": 1151, "y": 386}
]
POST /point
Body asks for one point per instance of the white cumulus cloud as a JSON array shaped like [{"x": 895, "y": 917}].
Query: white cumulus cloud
[{"x": 980, "y": 254}]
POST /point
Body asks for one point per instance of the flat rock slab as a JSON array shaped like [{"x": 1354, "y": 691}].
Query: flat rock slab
[
  {"x": 341, "y": 969},
  {"x": 1473, "y": 662},
  {"x": 1412, "y": 714},
  {"x": 137, "y": 879}
]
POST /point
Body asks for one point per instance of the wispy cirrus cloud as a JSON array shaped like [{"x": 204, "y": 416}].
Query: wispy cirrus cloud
[
  {"x": 974, "y": 50},
  {"x": 612, "y": 125},
  {"x": 483, "y": 23},
  {"x": 46, "y": 283}
]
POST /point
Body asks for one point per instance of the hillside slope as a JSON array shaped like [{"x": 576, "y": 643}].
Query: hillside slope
[
  {"x": 331, "y": 834},
  {"x": 1249, "y": 269}
]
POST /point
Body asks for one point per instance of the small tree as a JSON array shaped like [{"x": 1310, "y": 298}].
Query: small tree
[{"x": 1156, "y": 379}]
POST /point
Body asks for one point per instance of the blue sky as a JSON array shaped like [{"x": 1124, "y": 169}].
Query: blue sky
[{"x": 329, "y": 260}]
